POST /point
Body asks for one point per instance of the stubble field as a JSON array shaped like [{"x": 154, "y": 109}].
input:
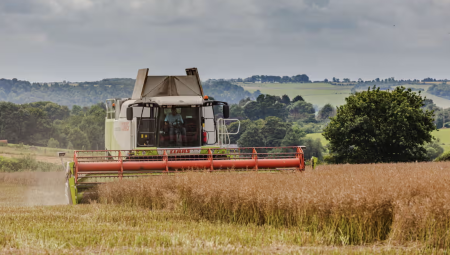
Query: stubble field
[{"x": 360, "y": 209}]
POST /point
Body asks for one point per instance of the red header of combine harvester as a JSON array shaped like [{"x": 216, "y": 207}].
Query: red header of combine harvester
[{"x": 238, "y": 159}]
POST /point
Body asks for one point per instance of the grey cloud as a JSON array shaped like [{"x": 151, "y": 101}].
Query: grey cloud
[
  {"x": 92, "y": 39},
  {"x": 318, "y": 3},
  {"x": 22, "y": 7}
]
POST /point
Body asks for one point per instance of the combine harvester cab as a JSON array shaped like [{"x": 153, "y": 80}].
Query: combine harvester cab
[{"x": 169, "y": 126}]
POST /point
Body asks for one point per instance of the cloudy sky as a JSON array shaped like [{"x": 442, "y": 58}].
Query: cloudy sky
[{"x": 77, "y": 40}]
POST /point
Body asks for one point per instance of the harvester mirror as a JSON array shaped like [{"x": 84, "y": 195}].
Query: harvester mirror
[
  {"x": 130, "y": 113},
  {"x": 226, "y": 111}
]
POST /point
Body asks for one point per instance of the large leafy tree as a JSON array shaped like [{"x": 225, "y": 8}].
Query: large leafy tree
[
  {"x": 233, "y": 128},
  {"x": 302, "y": 110},
  {"x": 252, "y": 137},
  {"x": 79, "y": 139},
  {"x": 265, "y": 106},
  {"x": 237, "y": 112},
  {"x": 380, "y": 126},
  {"x": 294, "y": 137},
  {"x": 285, "y": 99},
  {"x": 297, "y": 98},
  {"x": 93, "y": 126},
  {"x": 41, "y": 122},
  {"x": 326, "y": 112},
  {"x": 273, "y": 131}
]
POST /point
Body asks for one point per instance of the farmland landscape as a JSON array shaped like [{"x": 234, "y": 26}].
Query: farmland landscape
[
  {"x": 224, "y": 127},
  {"x": 384, "y": 208}
]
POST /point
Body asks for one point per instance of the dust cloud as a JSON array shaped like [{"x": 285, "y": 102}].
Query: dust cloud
[
  {"x": 33, "y": 188},
  {"x": 48, "y": 189}
]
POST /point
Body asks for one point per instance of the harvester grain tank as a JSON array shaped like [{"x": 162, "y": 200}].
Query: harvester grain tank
[{"x": 167, "y": 126}]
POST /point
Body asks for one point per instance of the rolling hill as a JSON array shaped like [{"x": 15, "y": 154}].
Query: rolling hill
[{"x": 324, "y": 93}]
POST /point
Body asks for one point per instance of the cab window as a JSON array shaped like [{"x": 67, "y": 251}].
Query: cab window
[{"x": 180, "y": 127}]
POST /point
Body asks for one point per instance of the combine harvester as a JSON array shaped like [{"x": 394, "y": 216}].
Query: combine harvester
[{"x": 168, "y": 126}]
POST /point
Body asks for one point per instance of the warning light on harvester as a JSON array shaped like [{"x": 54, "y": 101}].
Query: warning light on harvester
[
  {"x": 206, "y": 97},
  {"x": 205, "y": 139},
  {"x": 114, "y": 105}
]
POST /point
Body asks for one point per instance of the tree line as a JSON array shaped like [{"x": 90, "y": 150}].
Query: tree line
[
  {"x": 90, "y": 93},
  {"x": 282, "y": 107},
  {"x": 373, "y": 125},
  {"x": 440, "y": 90},
  {"x": 274, "y": 121},
  {"x": 300, "y": 78},
  {"x": 274, "y": 132},
  {"x": 280, "y": 121},
  {"x": 53, "y": 125},
  {"x": 303, "y": 78},
  {"x": 82, "y": 94},
  {"x": 227, "y": 92}
]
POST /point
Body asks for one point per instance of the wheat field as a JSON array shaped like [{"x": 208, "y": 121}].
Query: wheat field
[
  {"x": 336, "y": 209},
  {"x": 335, "y": 205}
]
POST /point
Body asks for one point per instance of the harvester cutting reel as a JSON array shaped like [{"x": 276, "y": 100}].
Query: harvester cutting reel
[{"x": 90, "y": 168}]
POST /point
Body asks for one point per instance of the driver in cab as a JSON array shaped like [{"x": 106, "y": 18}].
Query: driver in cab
[{"x": 175, "y": 123}]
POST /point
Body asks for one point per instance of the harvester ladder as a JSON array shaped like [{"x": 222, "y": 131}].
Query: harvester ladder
[{"x": 224, "y": 135}]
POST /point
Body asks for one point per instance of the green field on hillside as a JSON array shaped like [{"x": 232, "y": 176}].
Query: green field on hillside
[
  {"x": 439, "y": 101},
  {"x": 315, "y": 93},
  {"x": 324, "y": 93},
  {"x": 442, "y": 134},
  {"x": 318, "y": 135},
  {"x": 444, "y": 138}
]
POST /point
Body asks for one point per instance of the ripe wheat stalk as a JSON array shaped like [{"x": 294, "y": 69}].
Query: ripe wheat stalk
[{"x": 341, "y": 204}]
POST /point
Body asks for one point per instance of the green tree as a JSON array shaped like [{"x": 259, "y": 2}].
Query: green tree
[
  {"x": 285, "y": 99},
  {"x": 273, "y": 131},
  {"x": 297, "y": 98},
  {"x": 237, "y": 112},
  {"x": 53, "y": 110},
  {"x": 53, "y": 143},
  {"x": 252, "y": 110},
  {"x": 264, "y": 106},
  {"x": 294, "y": 137},
  {"x": 233, "y": 128},
  {"x": 326, "y": 112},
  {"x": 430, "y": 105},
  {"x": 76, "y": 110},
  {"x": 380, "y": 126},
  {"x": 434, "y": 150},
  {"x": 442, "y": 116},
  {"x": 302, "y": 110},
  {"x": 93, "y": 126},
  {"x": 314, "y": 148},
  {"x": 244, "y": 101},
  {"x": 78, "y": 139},
  {"x": 70, "y": 146},
  {"x": 252, "y": 137}
]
